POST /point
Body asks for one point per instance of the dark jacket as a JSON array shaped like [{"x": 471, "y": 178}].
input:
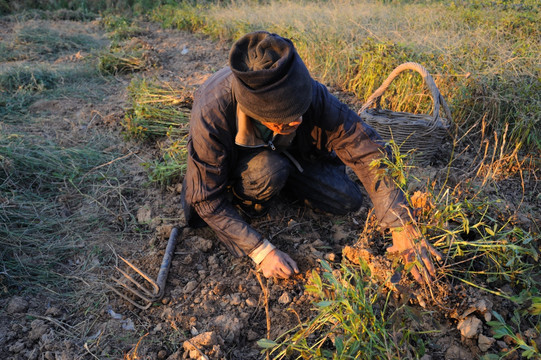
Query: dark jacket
[{"x": 328, "y": 126}]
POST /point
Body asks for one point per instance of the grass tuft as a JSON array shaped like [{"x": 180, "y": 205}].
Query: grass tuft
[
  {"x": 160, "y": 111},
  {"x": 29, "y": 79},
  {"x": 120, "y": 27},
  {"x": 354, "y": 321},
  {"x": 130, "y": 57},
  {"x": 157, "y": 110}
]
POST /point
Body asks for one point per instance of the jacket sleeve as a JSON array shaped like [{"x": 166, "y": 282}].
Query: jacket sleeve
[
  {"x": 209, "y": 156},
  {"x": 357, "y": 145}
]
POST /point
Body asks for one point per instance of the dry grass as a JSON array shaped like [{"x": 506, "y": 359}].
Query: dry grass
[{"x": 485, "y": 62}]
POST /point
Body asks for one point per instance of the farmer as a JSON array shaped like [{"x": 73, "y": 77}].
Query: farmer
[{"x": 262, "y": 125}]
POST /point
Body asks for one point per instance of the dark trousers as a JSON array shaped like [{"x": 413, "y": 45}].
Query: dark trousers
[{"x": 262, "y": 173}]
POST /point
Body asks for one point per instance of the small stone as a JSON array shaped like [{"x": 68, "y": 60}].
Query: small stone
[
  {"x": 53, "y": 311},
  {"x": 158, "y": 328},
  {"x": 17, "y": 305},
  {"x": 49, "y": 355},
  {"x": 166, "y": 300},
  {"x": 469, "y": 327},
  {"x": 162, "y": 354},
  {"x": 251, "y": 302},
  {"x": 330, "y": 257},
  {"x": 187, "y": 260},
  {"x": 285, "y": 298},
  {"x": 144, "y": 214},
  {"x": 235, "y": 299},
  {"x": 483, "y": 305},
  {"x": 204, "y": 339},
  {"x": 190, "y": 286},
  {"x": 485, "y": 342}
]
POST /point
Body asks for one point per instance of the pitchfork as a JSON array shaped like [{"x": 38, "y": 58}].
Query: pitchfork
[{"x": 154, "y": 290}]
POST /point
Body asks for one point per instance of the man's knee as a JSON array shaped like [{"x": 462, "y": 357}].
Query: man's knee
[{"x": 262, "y": 176}]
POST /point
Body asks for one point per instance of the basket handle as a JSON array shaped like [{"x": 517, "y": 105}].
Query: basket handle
[{"x": 436, "y": 96}]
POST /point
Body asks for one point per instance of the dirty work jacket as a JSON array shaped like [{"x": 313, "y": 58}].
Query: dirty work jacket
[{"x": 328, "y": 125}]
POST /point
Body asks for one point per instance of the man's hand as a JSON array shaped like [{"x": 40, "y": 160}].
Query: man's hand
[
  {"x": 413, "y": 247},
  {"x": 278, "y": 264}
]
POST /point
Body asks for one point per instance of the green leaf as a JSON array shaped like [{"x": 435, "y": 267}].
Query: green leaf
[
  {"x": 535, "y": 308},
  {"x": 316, "y": 279},
  {"x": 339, "y": 345},
  {"x": 498, "y": 317},
  {"x": 501, "y": 332},
  {"x": 323, "y": 304},
  {"x": 325, "y": 265},
  {"x": 267, "y": 343}
]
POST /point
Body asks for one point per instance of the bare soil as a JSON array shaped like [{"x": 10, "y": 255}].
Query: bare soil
[{"x": 213, "y": 303}]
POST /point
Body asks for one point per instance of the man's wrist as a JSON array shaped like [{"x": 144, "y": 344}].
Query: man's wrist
[{"x": 260, "y": 252}]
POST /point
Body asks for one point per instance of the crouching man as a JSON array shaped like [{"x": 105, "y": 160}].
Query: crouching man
[{"x": 262, "y": 125}]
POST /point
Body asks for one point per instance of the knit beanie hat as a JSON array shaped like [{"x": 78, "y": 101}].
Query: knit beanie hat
[{"x": 271, "y": 82}]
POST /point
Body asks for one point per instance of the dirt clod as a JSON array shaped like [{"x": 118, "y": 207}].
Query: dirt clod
[
  {"x": 200, "y": 243},
  {"x": 16, "y": 305},
  {"x": 39, "y": 328},
  {"x": 190, "y": 286},
  {"x": 469, "y": 327},
  {"x": 53, "y": 311},
  {"x": 285, "y": 298},
  {"x": 485, "y": 342}
]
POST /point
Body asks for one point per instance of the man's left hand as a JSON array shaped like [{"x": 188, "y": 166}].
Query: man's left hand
[{"x": 414, "y": 248}]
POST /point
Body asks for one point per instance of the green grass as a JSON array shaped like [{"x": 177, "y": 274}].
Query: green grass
[
  {"x": 159, "y": 111},
  {"x": 484, "y": 58},
  {"x": 354, "y": 320},
  {"x": 120, "y": 27},
  {"x": 43, "y": 40},
  {"x": 78, "y": 10},
  {"x": 22, "y": 85},
  {"x": 41, "y": 187}
]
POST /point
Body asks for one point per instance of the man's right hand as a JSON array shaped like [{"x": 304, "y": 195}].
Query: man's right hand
[{"x": 278, "y": 264}]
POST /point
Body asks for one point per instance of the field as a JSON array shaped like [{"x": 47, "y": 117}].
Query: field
[{"x": 94, "y": 110}]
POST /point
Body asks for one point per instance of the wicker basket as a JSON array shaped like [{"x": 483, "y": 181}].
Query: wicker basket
[{"x": 422, "y": 132}]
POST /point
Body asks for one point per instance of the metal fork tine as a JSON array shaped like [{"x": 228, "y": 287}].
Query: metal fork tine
[
  {"x": 133, "y": 290},
  {"x": 142, "y": 307},
  {"x": 144, "y": 292},
  {"x": 139, "y": 285},
  {"x": 140, "y": 272}
]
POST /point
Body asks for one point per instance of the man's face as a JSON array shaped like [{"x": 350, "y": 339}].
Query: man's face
[{"x": 283, "y": 129}]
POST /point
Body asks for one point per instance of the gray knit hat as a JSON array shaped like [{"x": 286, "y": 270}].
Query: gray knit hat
[{"x": 271, "y": 82}]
